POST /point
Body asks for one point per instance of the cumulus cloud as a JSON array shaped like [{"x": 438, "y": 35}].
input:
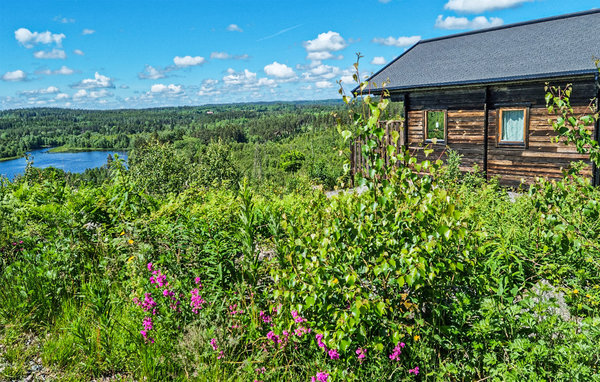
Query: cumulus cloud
[
  {"x": 188, "y": 61},
  {"x": 61, "y": 96},
  {"x": 220, "y": 55},
  {"x": 324, "y": 84},
  {"x": 209, "y": 88},
  {"x": 29, "y": 39},
  {"x": 479, "y": 22},
  {"x": 279, "y": 70},
  {"x": 326, "y": 42},
  {"x": 99, "y": 81},
  {"x": 166, "y": 89},
  {"x": 48, "y": 90},
  {"x": 78, "y": 52},
  {"x": 378, "y": 60},
  {"x": 84, "y": 94},
  {"x": 151, "y": 73},
  {"x": 478, "y": 6},
  {"x": 64, "y": 70},
  {"x": 87, "y": 31},
  {"x": 320, "y": 56},
  {"x": 245, "y": 81},
  {"x": 15, "y": 76},
  {"x": 50, "y": 55},
  {"x": 234, "y": 28},
  {"x": 397, "y": 41}
]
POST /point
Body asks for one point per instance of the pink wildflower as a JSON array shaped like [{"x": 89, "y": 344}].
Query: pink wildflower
[
  {"x": 297, "y": 318},
  {"x": 320, "y": 342},
  {"x": 361, "y": 353},
  {"x": 213, "y": 343},
  {"x": 196, "y": 300},
  {"x": 198, "y": 282},
  {"x": 395, "y": 356},
  {"x": 321, "y": 377},
  {"x": 149, "y": 266},
  {"x": 414, "y": 371},
  {"x": 333, "y": 354}
]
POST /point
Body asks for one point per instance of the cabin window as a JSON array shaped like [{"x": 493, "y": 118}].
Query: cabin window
[
  {"x": 513, "y": 126},
  {"x": 435, "y": 125}
]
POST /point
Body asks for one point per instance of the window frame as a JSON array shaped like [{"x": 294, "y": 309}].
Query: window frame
[
  {"x": 425, "y": 125},
  {"x": 516, "y": 144}
]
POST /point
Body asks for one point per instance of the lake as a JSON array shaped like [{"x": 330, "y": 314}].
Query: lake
[{"x": 72, "y": 162}]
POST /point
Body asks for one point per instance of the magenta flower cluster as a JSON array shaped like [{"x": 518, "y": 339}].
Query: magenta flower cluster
[
  {"x": 213, "y": 344},
  {"x": 320, "y": 377},
  {"x": 196, "y": 300},
  {"x": 395, "y": 356},
  {"x": 265, "y": 318},
  {"x": 414, "y": 371},
  {"x": 361, "y": 354},
  {"x": 147, "y": 328}
]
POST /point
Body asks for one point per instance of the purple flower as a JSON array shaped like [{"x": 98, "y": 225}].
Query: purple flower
[
  {"x": 333, "y": 354},
  {"x": 213, "y": 343},
  {"x": 321, "y": 377},
  {"x": 395, "y": 356},
  {"x": 362, "y": 354},
  {"x": 196, "y": 300},
  {"x": 147, "y": 323},
  {"x": 414, "y": 371},
  {"x": 297, "y": 318},
  {"x": 320, "y": 342},
  {"x": 149, "y": 266}
]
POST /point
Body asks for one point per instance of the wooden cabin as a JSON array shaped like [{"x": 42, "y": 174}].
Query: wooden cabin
[{"x": 482, "y": 94}]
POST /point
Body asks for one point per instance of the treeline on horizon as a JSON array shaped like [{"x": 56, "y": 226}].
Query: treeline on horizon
[
  {"x": 23, "y": 130},
  {"x": 274, "y": 143}
]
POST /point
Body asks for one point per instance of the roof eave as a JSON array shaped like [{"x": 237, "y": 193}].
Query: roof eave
[{"x": 490, "y": 81}]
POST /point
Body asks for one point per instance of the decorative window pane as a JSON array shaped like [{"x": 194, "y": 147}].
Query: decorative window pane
[
  {"x": 436, "y": 125},
  {"x": 513, "y": 126}
]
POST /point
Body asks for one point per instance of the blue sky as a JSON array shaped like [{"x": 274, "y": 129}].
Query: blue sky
[{"x": 137, "y": 54}]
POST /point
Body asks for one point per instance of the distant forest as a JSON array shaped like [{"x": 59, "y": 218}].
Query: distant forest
[{"x": 23, "y": 130}]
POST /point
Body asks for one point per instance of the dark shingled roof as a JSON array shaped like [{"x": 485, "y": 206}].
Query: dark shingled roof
[{"x": 552, "y": 47}]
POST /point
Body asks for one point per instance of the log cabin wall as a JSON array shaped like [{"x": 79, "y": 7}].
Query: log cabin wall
[{"x": 466, "y": 129}]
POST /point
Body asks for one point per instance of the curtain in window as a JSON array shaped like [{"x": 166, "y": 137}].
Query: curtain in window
[{"x": 513, "y": 123}]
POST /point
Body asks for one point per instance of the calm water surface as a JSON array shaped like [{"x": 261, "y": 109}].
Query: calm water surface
[{"x": 72, "y": 162}]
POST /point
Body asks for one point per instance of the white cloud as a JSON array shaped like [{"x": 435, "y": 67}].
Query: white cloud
[
  {"x": 84, "y": 94},
  {"x": 378, "y": 60},
  {"x": 399, "y": 41},
  {"x": 64, "y": 70},
  {"x": 234, "y": 28},
  {"x": 220, "y": 55},
  {"x": 48, "y": 90},
  {"x": 29, "y": 39},
  {"x": 99, "y": 81},
  {"x": 478, "y": 6},
  {"x": 87, "y": 31},
  {"x": 151, "y": 73},
  {"x": 168, "y": 89},
  {"x": 64, "y": 20},
  {"x": 324, "y": 85},
  {"x": 53, "y": 54},
  {"x": 16, "y": 76},
  {"x": 479, "y": 22},
  {"x": 279, "y": 70},
  {"x": 78, "y": 52},
  {"x": 209, "y": 88},
  {"x": 61, "y": 96},
  {"x": 245, "y": 81},
  {"x": 188, "y": 61},
  {"x": 326, "y": 42}
]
